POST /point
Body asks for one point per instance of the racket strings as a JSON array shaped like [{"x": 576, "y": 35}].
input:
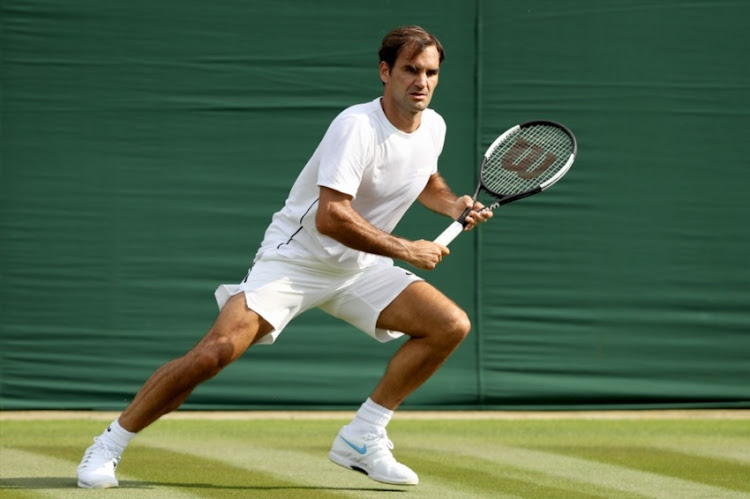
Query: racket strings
[{"x": 526, "y": 159}]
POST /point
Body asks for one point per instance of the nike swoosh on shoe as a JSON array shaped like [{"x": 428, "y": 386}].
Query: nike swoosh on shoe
[{"x": 361, "y": 450}]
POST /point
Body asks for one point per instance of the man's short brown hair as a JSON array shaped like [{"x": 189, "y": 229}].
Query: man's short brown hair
[{"x": 408, "y": 39}]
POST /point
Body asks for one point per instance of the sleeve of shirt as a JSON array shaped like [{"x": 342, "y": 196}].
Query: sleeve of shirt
[
  {"x": 344, "y": 153},
  {"x": 439, "y": 131}
]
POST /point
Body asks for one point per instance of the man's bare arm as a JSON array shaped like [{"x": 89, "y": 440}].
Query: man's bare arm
[
  {"x": 336, "y": 218},
  {"x": 438, "y": 197}
]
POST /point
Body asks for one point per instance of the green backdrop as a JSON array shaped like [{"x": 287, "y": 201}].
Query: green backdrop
[{"x": 144, "y": 146}]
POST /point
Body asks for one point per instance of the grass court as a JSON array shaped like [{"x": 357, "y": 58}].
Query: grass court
[{"x": 662, "y": 454}]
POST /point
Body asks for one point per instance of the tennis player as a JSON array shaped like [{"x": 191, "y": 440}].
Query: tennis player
[{"x": 331, "y": 247}]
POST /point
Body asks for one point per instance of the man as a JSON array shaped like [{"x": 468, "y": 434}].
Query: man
[{"x": 330, "y": 247}]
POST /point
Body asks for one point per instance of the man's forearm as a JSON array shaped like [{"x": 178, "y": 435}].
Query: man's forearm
[{"x": 438, "y": 197}]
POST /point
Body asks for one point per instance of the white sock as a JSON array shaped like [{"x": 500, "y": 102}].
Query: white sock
[
  {"x": 116, "y": 438},
  {"x": 370, "y": 417}
]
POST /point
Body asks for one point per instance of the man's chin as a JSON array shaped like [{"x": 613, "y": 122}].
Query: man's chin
[{"x": 420, "y": 106}]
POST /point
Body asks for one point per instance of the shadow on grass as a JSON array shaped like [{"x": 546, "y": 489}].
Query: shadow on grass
[{"x": 70, "y": 483}]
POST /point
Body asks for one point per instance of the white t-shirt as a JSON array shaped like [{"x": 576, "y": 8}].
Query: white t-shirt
[{"x": 362, "y": 154}]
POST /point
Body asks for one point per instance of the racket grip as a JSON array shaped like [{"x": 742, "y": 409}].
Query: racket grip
[{"x": 450, "y": 233}]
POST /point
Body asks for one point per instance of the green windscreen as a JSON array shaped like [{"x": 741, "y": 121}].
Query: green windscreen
[{"x": 144, "y": 147}]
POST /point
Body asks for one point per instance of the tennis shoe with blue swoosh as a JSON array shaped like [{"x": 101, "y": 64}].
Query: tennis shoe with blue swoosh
[{"x": 371, "y": 454}]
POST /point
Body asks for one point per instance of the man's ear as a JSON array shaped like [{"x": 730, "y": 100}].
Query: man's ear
[{"x": 385, "y": 72}]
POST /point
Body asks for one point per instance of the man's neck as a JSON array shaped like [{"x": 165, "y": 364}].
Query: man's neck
[{"x": 403, "y": 120}]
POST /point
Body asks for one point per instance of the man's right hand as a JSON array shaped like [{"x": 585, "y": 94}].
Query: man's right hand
[{"x": 426, "y": 254}]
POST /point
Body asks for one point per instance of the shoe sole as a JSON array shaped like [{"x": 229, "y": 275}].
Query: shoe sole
[
  {"x": 344, "y": 462},
  {"x": 99, "y": 485}
]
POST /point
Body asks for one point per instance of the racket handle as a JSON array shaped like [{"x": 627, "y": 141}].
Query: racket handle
[{"x": 450, "y": 233}]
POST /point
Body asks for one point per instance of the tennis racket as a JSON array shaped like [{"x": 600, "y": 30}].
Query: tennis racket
[{"x": 523, "y": 161}]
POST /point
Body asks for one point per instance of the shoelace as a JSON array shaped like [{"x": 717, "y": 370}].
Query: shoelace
[
  {"x": 100, "y": 449},
  {"x": 383, "y": 446},
  {"x": 388, "y": 443}
]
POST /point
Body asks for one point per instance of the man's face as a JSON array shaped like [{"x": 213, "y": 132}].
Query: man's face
[{"x": 409, "y": 84}]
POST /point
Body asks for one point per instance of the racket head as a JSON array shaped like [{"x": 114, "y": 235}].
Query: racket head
[{"x": 527, "y": 159}]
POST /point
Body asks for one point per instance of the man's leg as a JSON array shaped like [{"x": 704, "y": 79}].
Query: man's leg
[
  {"x": 436, "y": 326},
  {"x": 236, "y": 328}
]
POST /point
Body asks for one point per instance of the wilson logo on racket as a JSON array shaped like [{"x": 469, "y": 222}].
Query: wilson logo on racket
[{"x": 523, "y": 155}]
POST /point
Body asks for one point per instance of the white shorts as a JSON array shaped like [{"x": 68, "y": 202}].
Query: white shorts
[{"x": 279, "y": 290}]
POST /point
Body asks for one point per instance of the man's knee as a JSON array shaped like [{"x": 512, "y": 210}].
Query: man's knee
[
  {"x": 219, "y": 348},
  {"x": 208, "y": 359},
  {"x": 234, "y": 331},
  {"x": 457, "y": 327}
]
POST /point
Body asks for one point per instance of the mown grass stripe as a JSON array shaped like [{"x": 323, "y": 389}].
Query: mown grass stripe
[
  {"x": 303, "y": 459},
  {"x": 208, "y": 476},
  {"x": 27, "y": 474},
  {"x": 488, "y": 479},
  {"x": 293, "y": 468},
  {"x": 309, "y": 467},
  {"x": 590, "y": 472},
  {"x": 710, "y": 471},
  {"x": 740, "y": 454}
]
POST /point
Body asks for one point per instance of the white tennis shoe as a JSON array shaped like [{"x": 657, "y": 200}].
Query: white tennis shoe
[
  {"x": 371, "y": 454},
  {"x": 97, "y": 468}
]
